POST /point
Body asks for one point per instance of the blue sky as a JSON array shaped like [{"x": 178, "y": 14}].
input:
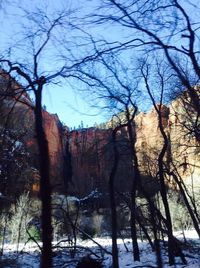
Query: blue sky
[{"x": 71, "y": 106}]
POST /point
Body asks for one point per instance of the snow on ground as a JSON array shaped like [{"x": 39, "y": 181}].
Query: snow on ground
[{"x": 29, "y": 255}]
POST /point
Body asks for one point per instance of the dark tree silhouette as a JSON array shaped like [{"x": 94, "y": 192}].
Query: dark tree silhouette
[
  {"x": 120, "y": 95},
  {"x": 47, "y": 31},
  {"x": 161, "y": 159},
  {"x": 112, "y": 198},
  {"x": 168, "y": 28}
]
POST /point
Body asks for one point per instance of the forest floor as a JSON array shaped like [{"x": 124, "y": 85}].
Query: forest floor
[{"x": 29, "y": 255}]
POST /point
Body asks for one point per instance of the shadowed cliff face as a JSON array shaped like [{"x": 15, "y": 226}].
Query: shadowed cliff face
[
  {"x": 17, "y": 114},
  {"x": 89, "y": 152}
]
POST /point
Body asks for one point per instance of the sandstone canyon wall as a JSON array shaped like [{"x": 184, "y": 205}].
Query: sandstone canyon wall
[
  {"x": 81, "y": 160},
  {"x": 17, "y": 114},
  {"x": 183, "y": 153},
  {"x": 92, "y": 155}
]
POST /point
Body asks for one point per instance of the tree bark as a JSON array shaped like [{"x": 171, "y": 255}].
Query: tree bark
[
  {"x": 45, "y": 188},
  {"x": 135, "y": 179},
  {"x": 172, "y": 248},
  {"x": 113, "y": 202}
]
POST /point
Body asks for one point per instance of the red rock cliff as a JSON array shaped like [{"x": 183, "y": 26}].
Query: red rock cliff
[
  {"x": 17, "y": 114},
  {"x": 86, "y": 155}
]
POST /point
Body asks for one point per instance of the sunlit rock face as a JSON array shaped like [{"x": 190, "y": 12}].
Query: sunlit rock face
[
  {"x": 183, "y": 152},
  {"x": 56, "y": 135},
  {"x": 184, "y": 140},
  {"x": 149, "y": 140}
]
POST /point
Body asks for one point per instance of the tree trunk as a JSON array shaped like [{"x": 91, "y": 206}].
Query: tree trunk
[
  {"x": 136, "y": 177},
  {"x": 164, "y": 192},
  {"x": 155, "y": 233},
  {"x": 45, "y": 188},
  {"x": 172, "y": 247},
  {"x": 161, "y": 175},
  {"x": 113, "y": 203}
]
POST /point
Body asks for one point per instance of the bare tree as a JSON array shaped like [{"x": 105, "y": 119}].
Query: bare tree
[
  {"x": 162, "y": 154},
  {"x": 113, "y": 198},
  {"x": 168, "y": 27},
  {"x": 120, "y": 94},
  {"x": 43, "y": 36}
]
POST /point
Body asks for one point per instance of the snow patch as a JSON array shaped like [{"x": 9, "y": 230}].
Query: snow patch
[{"x": 30, "y": 255}]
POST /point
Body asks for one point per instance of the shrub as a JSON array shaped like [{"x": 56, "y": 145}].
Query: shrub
[
  {"x": 179, "y": 213},
  {"x": 88, "y": 262},
  {"x": 88, "y": 229},
  {"x": 33, "y": 232},
  {"x": 20, "y": 218}
]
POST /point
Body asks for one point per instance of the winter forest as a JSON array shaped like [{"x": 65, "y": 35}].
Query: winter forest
[{"x": 122, "y": 193}]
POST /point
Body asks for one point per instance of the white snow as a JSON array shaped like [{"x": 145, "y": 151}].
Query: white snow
[
  {"x": 93, "y": 194},
  {"x": 18, "y": 144},
  {"x": 29, "y": 255}
]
